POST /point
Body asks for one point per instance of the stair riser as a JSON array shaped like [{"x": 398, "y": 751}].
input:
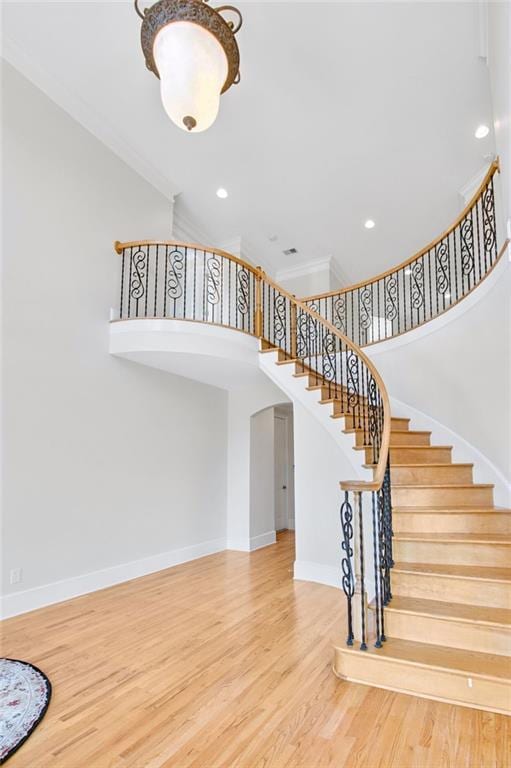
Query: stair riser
[
  {"x": 409, "y": 438},
  {"x": 453, "y": 553},
  {"x": 493, "y": 594},
  {"x": 430, "y": 683},
  {"x": 398, "y": 438},
  {"x": 451, "y": 473},
  {"x": 442, "y": 497},
  {"x": 426, "y": 455},
  {"x": 443, "y": 522},
  {"x": 350, "y": 422},
  {"x": 452, "y": 634}
]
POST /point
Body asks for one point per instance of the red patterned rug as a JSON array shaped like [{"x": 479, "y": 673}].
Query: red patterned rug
[{"x": 24, "y": 697}]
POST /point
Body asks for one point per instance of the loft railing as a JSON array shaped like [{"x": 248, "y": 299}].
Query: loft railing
[
  {"x": 182, "y": 281},
  {"x": 426, "y": 285}
]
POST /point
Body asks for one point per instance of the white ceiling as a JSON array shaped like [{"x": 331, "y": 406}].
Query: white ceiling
[{"x": 345, "y": 111}]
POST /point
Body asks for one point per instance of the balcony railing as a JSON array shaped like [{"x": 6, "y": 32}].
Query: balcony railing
[{"x": 426, "y": 285}]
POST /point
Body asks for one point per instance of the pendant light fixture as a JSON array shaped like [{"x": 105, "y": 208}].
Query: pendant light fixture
[{"x": 193, "y": 51}]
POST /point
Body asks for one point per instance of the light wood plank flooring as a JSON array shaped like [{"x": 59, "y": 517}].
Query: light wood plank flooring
[{"x": 226, "y": 662}]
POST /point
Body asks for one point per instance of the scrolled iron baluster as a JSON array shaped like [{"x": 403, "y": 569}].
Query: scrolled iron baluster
[
  {"x": 442, "y": 261},
  {"x": 366, "y": 308},
  {"x": 175, "y": 262},
  {"x": 378, "y": 604},
  {"x": 348, "y": 580},
  {"x": 390, "y": 298},
  {"x": 242, "y": 293},
  {"x": 339, "y": 314},
  {"x": 213, "y": 268},
  {"x": 302, "y": 341},
  {"x": 329, "y": 362},
  {"x": 489, "y": 231},
  {"x": 467, "y": 246},
  {"x": 279, "y": 318},
  {"x": 353, "y": 379},
  {"x": 418, "y": 285},
  {"x": 138, "y": 272}
]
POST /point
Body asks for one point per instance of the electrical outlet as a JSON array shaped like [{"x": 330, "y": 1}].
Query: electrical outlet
[{"x": 16, "y": 575}]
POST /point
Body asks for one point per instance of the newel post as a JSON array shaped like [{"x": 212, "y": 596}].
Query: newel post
[{"x": 258, "y": 317}]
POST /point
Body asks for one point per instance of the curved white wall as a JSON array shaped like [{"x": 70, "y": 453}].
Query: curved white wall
[{"x": 456, "y": 371}]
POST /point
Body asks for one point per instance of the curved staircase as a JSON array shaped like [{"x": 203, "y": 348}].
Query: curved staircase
[{"x": 426, "y": 556}]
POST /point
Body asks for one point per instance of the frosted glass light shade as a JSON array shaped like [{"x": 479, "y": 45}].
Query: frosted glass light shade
[{"x": 193, "y": 69}]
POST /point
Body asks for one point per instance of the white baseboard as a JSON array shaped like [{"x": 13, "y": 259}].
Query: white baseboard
[
  {"x": 305, "y": 570},
  {"x": 255, "y": 542},
  {"x": 47, "y": 594}
]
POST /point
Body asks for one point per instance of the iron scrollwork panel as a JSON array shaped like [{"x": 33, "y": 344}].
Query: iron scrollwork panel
[
  {"x": 175, "y": 273},
  {"x": 489, "y": 231},
  {"x": 138, "y": 272},
  {"x": 242, "y": 295},
  {"x": 467, "y": 246},
  {"x": 442, "y": 267},
  {"x": 279, "y": 318}
]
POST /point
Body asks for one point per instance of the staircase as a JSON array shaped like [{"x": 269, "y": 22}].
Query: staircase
[
  {"x": 433, "y": 616},
  {"x": 448, "y": 624}
]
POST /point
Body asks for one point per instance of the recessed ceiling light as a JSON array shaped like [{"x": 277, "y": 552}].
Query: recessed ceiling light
[
  {"x": 221, "y": 192},
  {"x": 369, "y": 224},
  {"x": 408, "y": 271},
  {"x": 447, "y": 295},
  {"x": 482, "y": 131}
]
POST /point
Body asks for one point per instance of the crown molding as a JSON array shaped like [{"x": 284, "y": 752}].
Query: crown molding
[{"x": 85, "y": 115}]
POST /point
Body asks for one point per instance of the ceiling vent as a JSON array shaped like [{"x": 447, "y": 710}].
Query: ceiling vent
[{"x": 290, "y": 251}]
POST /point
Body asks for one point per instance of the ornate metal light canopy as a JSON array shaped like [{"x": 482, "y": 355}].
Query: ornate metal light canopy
[{"x": 193, "y": 51}]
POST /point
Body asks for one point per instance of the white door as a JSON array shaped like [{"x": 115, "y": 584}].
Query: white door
[{"x": 281, "y": 473}]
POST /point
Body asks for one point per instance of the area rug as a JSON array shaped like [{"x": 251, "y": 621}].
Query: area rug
[{"x": 24, "y": 697}]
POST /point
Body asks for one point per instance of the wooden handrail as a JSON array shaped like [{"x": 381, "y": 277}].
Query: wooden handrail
[
  {"x": 351, "y": 485},
  {"x": 494, "y": 167},
  {"x": 120, "y": 247}
]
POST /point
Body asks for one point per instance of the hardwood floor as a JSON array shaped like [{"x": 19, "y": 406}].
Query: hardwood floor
[{"x": 226, "y": 662}]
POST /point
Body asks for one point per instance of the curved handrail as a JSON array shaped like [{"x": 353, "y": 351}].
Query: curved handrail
[
  {"x": 425, "y": 285},
  {"x": 379, "y": 472},
  {"x": 169, "y": 279}
]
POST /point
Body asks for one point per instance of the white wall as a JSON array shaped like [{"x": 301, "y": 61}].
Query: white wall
[
  {"x": 499, "y": 63},
  {"x": 458, "y": 371},
  {"x": 106, "y": 461}
]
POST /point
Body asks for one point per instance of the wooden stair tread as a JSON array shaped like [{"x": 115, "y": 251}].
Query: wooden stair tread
[
  {"x": 407, "y": 447},
  {"x": 456, "y": 660},
  {"x": 443, "y": 485},
  {"x": 420, "y": 466},
  {"x": 477, "y": 614},
  {"x": 476, "y": 572},
  {"x": 393, "y": 432},
  {"x": 451, "y": 510},
  {"x": 456, "y": 538}
]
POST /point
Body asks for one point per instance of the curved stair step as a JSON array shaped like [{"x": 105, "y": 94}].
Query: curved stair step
[
  {"x": 456, "y": 625},
  {"x": 454, "y": 675},
  {"x": 452, "y": 494},
  {"x": 477, "y": 549},
  {"x": 451, "y": 520}
]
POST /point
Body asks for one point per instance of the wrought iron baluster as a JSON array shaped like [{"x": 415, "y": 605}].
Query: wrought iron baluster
[{"x": 348, "y": 581}]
